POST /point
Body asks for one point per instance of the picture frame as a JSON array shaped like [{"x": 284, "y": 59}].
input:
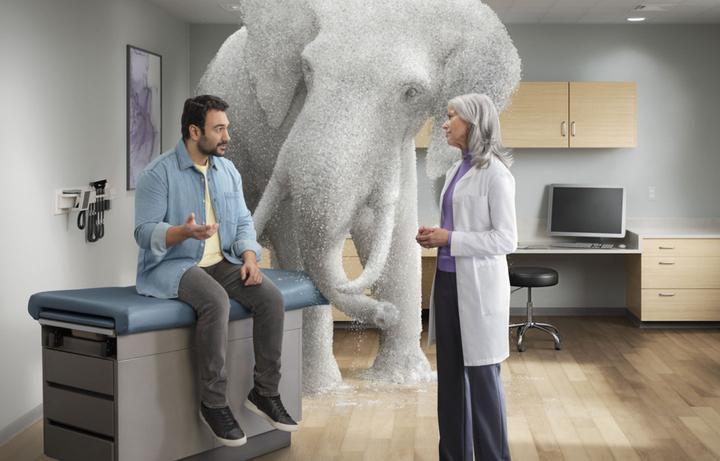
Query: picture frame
[{"x": 144, "y": 110}]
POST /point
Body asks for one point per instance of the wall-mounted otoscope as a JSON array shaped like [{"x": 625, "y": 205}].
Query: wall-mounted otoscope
[{"x": 91, "y": 203}]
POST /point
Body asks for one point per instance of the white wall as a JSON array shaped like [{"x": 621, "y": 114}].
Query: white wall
[{"x": 62, "y": 99}]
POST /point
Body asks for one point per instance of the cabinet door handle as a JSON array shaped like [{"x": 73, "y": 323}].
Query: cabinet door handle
[
  {"x": 665, "y": 248},
  {"x": 666, "y": 295},
  {"x": 666, "y": 263},
  {"x": 563, "y": 129},
  {"x": 572, "y": 128}
]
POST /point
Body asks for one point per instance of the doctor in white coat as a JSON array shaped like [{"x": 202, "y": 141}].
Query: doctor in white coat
[{"x": 470, "y": 303}]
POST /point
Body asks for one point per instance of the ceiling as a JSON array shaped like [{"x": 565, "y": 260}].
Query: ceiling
[{"x": 509, "y": 11}]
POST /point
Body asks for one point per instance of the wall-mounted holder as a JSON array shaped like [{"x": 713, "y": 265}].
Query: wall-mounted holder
[{"x": 90, "y": 203}]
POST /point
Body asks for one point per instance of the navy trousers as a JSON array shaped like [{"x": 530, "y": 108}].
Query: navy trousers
[{"x": 471, "y": 403}]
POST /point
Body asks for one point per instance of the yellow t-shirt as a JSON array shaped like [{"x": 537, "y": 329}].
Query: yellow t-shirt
[{"x": 212, "y": 254}]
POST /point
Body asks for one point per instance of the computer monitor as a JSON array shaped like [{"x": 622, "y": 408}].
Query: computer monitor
[{"x": 586, "y": 211}]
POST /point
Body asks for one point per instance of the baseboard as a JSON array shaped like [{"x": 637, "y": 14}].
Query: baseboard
[
  {"x": 572, "y": 311},
  {"x": 20, "y": 424}
]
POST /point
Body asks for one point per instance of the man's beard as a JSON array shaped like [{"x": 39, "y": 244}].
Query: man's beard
[{"x": 211, "y": 151}]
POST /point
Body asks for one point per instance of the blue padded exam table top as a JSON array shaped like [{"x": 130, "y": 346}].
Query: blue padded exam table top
[{"x": 126, "y": 312}]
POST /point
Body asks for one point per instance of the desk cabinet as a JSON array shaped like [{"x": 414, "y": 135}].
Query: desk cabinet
[
  {"x": 675, "y": 280},
  {"x": 571, "y": 114}
]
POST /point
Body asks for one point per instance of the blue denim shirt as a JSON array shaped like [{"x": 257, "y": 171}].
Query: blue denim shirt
[{"x": 168, "y": 190}]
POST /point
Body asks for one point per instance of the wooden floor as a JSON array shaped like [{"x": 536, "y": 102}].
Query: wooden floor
[{"x": 614, "y": 392}]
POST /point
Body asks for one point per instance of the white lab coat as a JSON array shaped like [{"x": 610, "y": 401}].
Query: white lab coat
[{"x": 485, "y": 231}]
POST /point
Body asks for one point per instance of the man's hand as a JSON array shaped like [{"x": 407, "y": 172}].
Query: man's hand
[
  {"x": 250, "y": 272},
  {"x": 178, "y": 234},
  {"x": 432, "y": 237},
  {"x": 199, "y": 231}
]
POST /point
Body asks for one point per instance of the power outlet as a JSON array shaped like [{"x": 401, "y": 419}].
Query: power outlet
[{"x": 651, "y": 193}]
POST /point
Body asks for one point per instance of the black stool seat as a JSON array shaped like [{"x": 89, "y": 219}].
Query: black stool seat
[{"x": 527, "y": 276}]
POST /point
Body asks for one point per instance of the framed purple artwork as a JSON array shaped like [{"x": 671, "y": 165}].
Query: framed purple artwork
[{"x": 144, "y": 110}]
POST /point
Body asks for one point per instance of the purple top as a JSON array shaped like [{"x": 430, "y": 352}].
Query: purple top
[{"x": 445, "y": 261}]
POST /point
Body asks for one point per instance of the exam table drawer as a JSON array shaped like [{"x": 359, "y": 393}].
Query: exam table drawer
[
  {"x": 681, "y": 272},
  {"x": 89, "y": 373},
  {"x": 68, "y": 445},
  {"x": 89, "y": 412},
  {"x": 681, "y": 247},
  {"x": 681, "y": 305}
]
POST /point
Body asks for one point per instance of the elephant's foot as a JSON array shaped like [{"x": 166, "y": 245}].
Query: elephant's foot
[
  {"x": 320, "y": 370},
  {"x": 400, "y": 362}
]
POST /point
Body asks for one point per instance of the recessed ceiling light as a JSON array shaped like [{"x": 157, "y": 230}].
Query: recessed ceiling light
[
  {"x": 636, "y": 19},
  {"x": 230, "y": 6}
]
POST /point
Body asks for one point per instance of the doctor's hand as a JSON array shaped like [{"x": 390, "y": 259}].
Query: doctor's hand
[
  {"x": 432, "y": 237},
  {"x": 198, "y": 231},
  {"x": 250, "y": 272}
]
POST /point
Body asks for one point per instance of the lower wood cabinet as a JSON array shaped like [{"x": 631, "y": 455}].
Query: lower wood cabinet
[{"x": 675, "y": 280}]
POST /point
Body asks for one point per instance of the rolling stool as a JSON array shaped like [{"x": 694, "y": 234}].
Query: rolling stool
[{"x": 533, "y": 277}]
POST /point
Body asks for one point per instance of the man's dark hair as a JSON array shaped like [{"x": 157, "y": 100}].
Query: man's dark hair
[{"x": 196, "y": 108}]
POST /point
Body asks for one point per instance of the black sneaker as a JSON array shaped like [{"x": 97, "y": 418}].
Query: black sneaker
[
  {"x": 223, "y": 425},
  {"x": 272, "y": 409}
]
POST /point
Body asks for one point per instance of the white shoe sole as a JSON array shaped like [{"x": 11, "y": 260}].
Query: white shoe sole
[
  {"x": 226, "y": 442},
  {"x": 283, "y": 427}
]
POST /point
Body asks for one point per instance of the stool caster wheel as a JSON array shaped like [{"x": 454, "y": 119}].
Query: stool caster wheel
[
  {"x": 558, "y": 346},
  {"x": 521, "y": 347}
]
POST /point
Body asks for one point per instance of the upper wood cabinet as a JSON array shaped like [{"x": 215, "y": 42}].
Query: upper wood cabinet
[{"x": 571, "y": 114}]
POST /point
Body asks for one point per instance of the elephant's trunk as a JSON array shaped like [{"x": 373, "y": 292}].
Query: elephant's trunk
[
  {"x": 330, "y": 188},
  {"x": 384, "y": 215}
]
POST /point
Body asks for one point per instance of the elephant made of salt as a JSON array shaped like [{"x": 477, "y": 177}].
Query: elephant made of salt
[{"x": 326, "y": 97}]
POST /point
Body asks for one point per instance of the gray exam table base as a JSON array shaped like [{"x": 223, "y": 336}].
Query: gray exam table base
[{"x": 120, "y": 381}]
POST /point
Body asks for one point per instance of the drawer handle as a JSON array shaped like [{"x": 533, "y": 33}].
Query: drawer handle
[
  {"x": 666, "y": 295},
  {"x": 665, "y": 263},
  {"x": 666, "y": 248},
  {"x": 563, "y": 130}
]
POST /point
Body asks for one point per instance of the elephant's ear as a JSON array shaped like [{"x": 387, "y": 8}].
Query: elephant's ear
[
  {"x": 278, "y": 31},
  {"x": 482, "y": 59}
]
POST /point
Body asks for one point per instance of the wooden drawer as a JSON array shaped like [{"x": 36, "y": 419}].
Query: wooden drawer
[
  {"x": 681, "y": 247},
  {"x": 90, "y": 412},
  {"x": 68, "y": 445},
  {"x": 89, "y": 373},
  {"x": 680, "y": 272},
  {"x": 680, "y": 305}
]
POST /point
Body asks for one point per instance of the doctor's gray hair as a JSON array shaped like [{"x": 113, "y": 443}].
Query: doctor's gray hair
[{"x": 483, "y": 138}]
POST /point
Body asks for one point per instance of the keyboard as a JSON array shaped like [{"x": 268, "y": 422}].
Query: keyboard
[{"x": 601, "y": 246}]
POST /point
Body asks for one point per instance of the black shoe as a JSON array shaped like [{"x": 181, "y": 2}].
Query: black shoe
[
  {"x": 223, "y": 425},
  {"x": 272, "y": 409}
]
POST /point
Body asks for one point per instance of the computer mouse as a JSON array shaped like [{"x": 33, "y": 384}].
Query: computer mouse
[{"x": 621, "y": 245}]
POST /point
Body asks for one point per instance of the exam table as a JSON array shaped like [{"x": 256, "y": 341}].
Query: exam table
[{"x": 119, "y": 375}]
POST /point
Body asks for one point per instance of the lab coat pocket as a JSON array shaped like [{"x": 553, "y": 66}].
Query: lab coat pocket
[{"x": 493, "y": 285}]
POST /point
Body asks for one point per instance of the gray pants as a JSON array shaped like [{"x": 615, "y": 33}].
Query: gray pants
[
  {"x": 207, "y": 290},
  {"x": 471, "y": 403}
]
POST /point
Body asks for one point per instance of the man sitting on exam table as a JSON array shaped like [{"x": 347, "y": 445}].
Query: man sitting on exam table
[{"x": 198, "y": 244}]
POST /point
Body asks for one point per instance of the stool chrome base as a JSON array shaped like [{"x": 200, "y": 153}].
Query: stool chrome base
[{"x": 523, "y": 328}]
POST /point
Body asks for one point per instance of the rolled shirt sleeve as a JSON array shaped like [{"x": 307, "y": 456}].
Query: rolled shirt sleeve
[
  {"x": 150, "y": 210},
  {"x": 245, "y": 235}
]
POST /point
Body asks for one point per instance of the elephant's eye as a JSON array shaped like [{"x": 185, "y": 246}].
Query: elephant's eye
[
  {"x": 411, "y": 92},
  {"x": 306, "y": 68}
]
